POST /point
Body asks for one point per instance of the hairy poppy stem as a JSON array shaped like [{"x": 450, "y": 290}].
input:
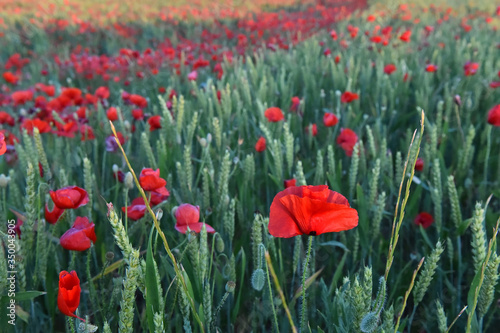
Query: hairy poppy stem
[{"x": 304, "y": 276}]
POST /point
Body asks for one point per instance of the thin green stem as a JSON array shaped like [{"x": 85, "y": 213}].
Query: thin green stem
[
  {"x": 304, "y": 276},
  {"x": 407, "y": 294},
  {"x": 271, "y": 296},
  {"x": 280, "y": 292}
]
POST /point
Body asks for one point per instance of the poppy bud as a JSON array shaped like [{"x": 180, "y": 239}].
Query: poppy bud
[
  {"x": 4, "y": 181},
  {"x": 129, "y": 180},
  {"x": 203, "y": 142},
  {"x": 457, "y": 100},
  {"x": 258, "y": 279},
  {"x": 219, "y": 243}
]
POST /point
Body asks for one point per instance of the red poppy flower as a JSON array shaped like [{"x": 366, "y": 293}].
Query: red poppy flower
[
  {"x": 72, "y": 93},
  {"x": 86, "y": 133},
  {"x": 3, "y": 144},
  {"x": 137, "y": 114},
  {"x": 70, "y": 197},
  {"x": 310, "y": 210},
  {"x": 154, "y": 123},
  {"x": 192, "y": 76},
  {"x": 159, "y": 195},
  {"x": 388, "y": 69},
  {"x": 21, "y": 97},
  {"x": 112, "y": 114},
  {"x": 80, "y": 237},
  {"x": 150, "y": 179},
  {"x": 330, "y": 119},
  {"x": 312, "y": 129},
  {"x": 188, "y": 215},
  {"x": 53, "y": 216},
  {"x": 470, "y": 68},
  {"x": 136, "y": 210},
  {"x": 431, "y": 68},
  {"x": 68, "y": 297},
  {"x": 260, "y": 146},
  {"x": 29, "y": 125},
  {"x": 405, "y": 37},
  {"x": 494, "y": 115},
  {"x": 6, "y": 118},
  {"x": 348, "y": 97},
  {"x": 333, "y": 34},
  {"x": 347, "y": 140},
  {"x": 10, "y": 77},
  {"x": 419, "y": 165},
  {"x": 295, "y": 103},
  {"x": 290, "y": 182},
  {"x": 274, "y": 114},
  {"x": 81, "y": 112},
  {"x": 138, "y": 100},
  {"x": 494, "y": 84},
  {"x": 424, "y": 219},
  {"x": 46, "y": 89},
  {"x": 102, "y": 93}
]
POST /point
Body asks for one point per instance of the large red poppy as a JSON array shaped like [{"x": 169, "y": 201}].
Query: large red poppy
[
  {"x": 81, "y": 235},
  {"x": 188, "y": 215},
  {"x": 274, "y": 114},
  {"x": 150, "y": 179},
  {"x": 68, "y": 297},
  {"x": 310, "y": 210},
  {"x": 70, "y": 197}
]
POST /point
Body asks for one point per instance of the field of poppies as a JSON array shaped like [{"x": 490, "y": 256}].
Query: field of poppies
[{"x": 236, "y": 166}]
